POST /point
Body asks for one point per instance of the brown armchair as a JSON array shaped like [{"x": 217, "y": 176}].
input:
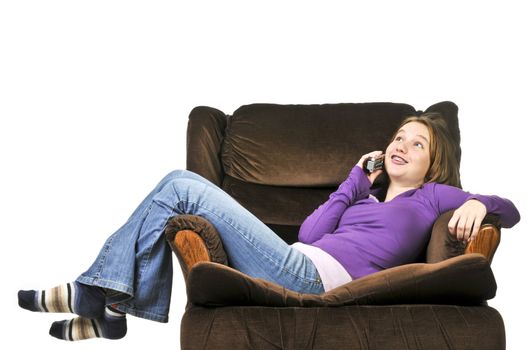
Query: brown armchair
[{"x": 281, "y": 162}]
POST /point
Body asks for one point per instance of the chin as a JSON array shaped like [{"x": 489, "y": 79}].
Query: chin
[
  {"x": 394, "y": 172},
  {"x": 398, "y": 175}
]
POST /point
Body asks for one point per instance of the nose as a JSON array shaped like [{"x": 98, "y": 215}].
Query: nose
[{"x": 401, "y": 147}]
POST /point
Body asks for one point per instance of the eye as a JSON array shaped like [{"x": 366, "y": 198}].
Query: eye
[
  {"x": 420, "y": 144},
  {"x": 398, "y": 138}
]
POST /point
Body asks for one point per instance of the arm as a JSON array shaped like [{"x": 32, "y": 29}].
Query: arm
[
  {"x": 471, "y": 209},
  {"x": 325, "y": 219},
  {"x": 502, "y": 207}
]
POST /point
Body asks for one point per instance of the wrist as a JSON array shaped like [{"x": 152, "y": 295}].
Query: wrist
[
  {"x": 475, "y": 198},
  {"x": 363, "y": 183}
]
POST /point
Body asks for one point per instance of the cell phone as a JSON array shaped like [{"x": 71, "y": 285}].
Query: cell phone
[{"x": 373, "y": 163}]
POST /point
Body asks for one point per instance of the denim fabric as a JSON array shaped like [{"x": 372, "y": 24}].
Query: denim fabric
[{"x": 136, "y": 261}]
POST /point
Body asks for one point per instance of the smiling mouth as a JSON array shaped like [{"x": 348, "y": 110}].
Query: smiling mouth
[{"x": 398, "y": 160}]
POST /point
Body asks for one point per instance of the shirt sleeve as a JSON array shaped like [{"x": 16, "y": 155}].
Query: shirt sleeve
[
  {"x": 448, "y": 197},
  {"x": 326, "y": 217}
]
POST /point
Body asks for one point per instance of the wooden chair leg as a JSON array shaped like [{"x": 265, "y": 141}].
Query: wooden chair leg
[
  {"x": 486, "y": 242},
  {"x": 191, "y": 248}
]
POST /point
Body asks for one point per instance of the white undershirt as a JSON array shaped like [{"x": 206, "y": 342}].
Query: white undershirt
[{"x": 331, "y": 272}]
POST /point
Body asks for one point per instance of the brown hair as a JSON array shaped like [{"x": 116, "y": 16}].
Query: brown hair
[{"x": 444, "y": 167}]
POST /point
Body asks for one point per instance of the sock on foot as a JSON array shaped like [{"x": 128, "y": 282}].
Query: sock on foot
[
  {"x": 112, "y": 325},
  {"x": 81, "y": 299}
]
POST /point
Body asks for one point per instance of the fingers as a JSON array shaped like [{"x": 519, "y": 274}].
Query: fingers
[
  {"x": 453, "y": 223},
  {"x": 477, "y": 225},
  {"x": 375, "y": 154},
  {"x": 372, "y": 154},
  {"x": 465, "y": 226},
  {"x": 474, "y": 232},
  {"x": 466, "y": 220},
  {"x": 457, "y": 225},
  {"x": 368, "y": 155},
  {"x": 461, "y": 231}
]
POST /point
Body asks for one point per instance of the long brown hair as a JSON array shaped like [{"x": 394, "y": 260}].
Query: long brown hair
[{"x": 444, "y": 167}]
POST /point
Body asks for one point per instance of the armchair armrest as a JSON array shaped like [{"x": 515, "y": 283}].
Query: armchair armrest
[
  {"x": 443, "y": 245},
  {"x": 486, "y": 242},
  {"x": 194, "y": 239}
]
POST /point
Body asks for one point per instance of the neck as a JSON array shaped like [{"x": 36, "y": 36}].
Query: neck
[{"x": 395, "y": 189}]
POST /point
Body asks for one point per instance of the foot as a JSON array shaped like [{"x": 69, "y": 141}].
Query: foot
[
  {"x": 112, "y": 325},
  {"x": 81, "y": 299}
]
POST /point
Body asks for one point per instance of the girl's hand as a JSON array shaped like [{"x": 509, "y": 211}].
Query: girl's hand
[
  {"x": 466, "y": 221},
  {"x": 377, "y": 172}
]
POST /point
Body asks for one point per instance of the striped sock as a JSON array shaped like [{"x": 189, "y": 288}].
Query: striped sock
[
  {"x": 112, "y": 325},
  {"x": 81, "y": 299}
]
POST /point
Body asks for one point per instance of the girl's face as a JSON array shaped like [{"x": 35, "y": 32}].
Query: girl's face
[{"x": 407, "y": 158}]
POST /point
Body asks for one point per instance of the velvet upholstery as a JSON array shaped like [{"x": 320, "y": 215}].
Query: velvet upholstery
[
  {"x": 463, "y": 280},
  {"x": 204, "y": 229},
  {"x": 281, "y": 162},
  {"x": 411, "y": 327}
]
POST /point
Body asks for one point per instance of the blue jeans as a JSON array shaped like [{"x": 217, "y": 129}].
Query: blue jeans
[{"x": 136, "y": 261}]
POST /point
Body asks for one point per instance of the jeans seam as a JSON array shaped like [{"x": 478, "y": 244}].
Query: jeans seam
[
  {"x": 107, "y": 248},
  {"x": 105, "y": 283},
  {"x": 132, "y": 310},
  {"x": 149, "y": 251}
]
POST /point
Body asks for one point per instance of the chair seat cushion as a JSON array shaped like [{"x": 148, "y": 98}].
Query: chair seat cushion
[{"x": 462, "y": 280}]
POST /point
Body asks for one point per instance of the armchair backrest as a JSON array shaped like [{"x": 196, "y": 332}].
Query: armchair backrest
[{"x": 282, "y": 161}]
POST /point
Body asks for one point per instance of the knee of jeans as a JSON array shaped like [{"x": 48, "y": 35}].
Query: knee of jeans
[
  {"x": 180, "y": 173},
  {"x": 174, "y": 174},
  {"x": 180, "y": 187}
]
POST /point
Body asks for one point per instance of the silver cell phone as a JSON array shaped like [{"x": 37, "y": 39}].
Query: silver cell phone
[{"x": 373, "y": 163}]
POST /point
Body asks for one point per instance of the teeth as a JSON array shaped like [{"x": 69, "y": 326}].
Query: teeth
[{"x": 399, "y": 158}]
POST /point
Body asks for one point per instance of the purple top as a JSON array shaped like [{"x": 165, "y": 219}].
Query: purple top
[{"x": 367, "y": 236}]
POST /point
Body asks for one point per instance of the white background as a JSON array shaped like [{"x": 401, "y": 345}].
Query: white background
[{"x": 95, "y": 96}]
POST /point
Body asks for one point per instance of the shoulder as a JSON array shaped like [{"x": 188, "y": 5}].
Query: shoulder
[
  {"x": 429, "y": 189},
  {"x": 437, "y": 189},
  {"x": 435, "y": 194},
  {"x": 446, "y": 197}
]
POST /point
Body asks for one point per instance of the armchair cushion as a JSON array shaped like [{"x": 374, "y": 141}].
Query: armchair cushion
[
  {"x": 266, "y": 143},
  {"x": 463, "y": 280}
]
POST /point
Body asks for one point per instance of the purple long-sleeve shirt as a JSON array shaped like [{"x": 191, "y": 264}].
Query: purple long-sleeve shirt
[{"x": 367, "y": 236}]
